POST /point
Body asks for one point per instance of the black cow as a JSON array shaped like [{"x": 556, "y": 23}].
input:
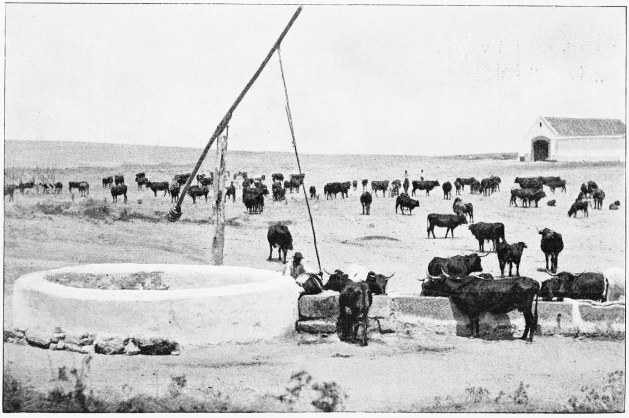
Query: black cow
[
  {"x": 458, "y": 186},
  {"x": 277, "y": 177},
  {"x": 404, "y": 201},
  {"x": 556, "y": 184},
  {"x": 279, "y": 193},
  {"x": 463, "y": 209},
  {"x": 181, "y": 179},
  {"x": 365, "y": 200},
  {"x": 253, "y": 198},
  {"x": 196, "y": 191},
  {"x": 427, "y": 185},
  {"x": 615, "y": 205},
  {"x": 464, "y": 181},
  {"x": 598, "y": 196},
  {"x": 548, "y": 180},
  {"x": 579, "y": 206},
  {"x": 230, "y": 191},
  {"x": 9, "y": 189},
  {"x": 117, "y": 191},
  {"x": 337, "y": 281},
  {"x": 71, "y": 185},
  {"x": 107, "y": 181},
  {"x": 118, "y": 180},
  {"x": 354, "y": 185},
  {"x": 336, "y": 188},
  {"x": 527, "y": 196},
  {"x": 84, "y": 188},
  {"x": 377, "y": 283},
  {"x": 160, "y": 185},
  {"x": 174, "y": 190},
  {"x": 459, "y": 265},
  {"x": 551, "y": 245},
  {"x": 473, "y": 296},
  {"x": 512, "y": 254},
  {"x": 395, "y": 187},
  {"x": 364, "y": 182},
  {"x": 354, "y": 302},
  {"x": 313, "y": 192},
  {"x": 484, "y": 231},
  {"x": 551, "y": 202},
  {"x": 447, "y": 190},
  {"x": 279, "y": 236},
  {"x": 529, "y": 182},
  {"x": 474, "y": 186},
  {"x": 139, "y": 178},
  {"x": 444, "y": 221},
  {"x": 58, "y": 187},
  {"x": 592, "y": 286},
  {"x": 589, "y": 188},
  {"x": 380, "y": 185}
]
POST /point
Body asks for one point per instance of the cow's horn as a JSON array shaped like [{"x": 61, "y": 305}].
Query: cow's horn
[
  {"x": 388, "y": 277},
  {"x": 552, "y": 273},
  {"x": 480, "y": 277},
  {"x": 329, "y": 274},
  {"x": 432, "y": 277},
  {"x": 485, "y": 254},
  {"x": 443, "y": 272},
  {"x": 577, "y": 275}
]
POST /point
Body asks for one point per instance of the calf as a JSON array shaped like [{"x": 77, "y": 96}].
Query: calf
[
  {"x": 579, "y": 206},
  {"x": 404, "y": 201},
  {"x": 592, "y": 286},
  {"x": 598, "y": 196},
  {"x": 555, "y": 184},
  {"x": 483, "y": 231},
  {"x": 365, "y": 200},
  {"x": 279, "y": 236},
  {"x": 444, "y": 221},
  {"x": 615, "y": 205},
  {"x": 512, "y": 254},
  {"x": 354, "y": 302},
  {"x": 117, "y": 191},
  {"x": 463, "y": 209},
  {"x": 551, "y": 202}
]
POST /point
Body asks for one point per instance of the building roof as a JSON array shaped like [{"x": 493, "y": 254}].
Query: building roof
[{"x": 586, "y": 126}]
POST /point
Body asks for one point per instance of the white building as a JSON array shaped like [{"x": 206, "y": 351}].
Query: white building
[{"x": 575, "y": 139}]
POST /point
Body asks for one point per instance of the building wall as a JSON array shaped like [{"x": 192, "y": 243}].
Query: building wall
[
  {"x": 526, "y": 149},
  {"x": 589, "y": 149}
]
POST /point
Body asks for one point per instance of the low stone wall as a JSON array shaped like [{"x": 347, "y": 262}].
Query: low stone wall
[{"x": 412, "y": 313}]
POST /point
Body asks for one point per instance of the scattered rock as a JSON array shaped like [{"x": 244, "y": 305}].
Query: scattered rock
[
  {"x": 74, "y": 347},
  {"x": 317, "y": 326},
  {"x": 88, "y": 339},
  {"x": 38, "y": 340},
  {"x": 52, "y": 347},
  {"x": 7, "y": 333},
  {"x": 156, "y": 345},
  {"x": 131, "y": 349},
  {"x": 57, "y": 336},
  {"x": 61, "y": 345},
  {"x": 89, "y": 349},
  {"x": 109, "y": 344}
]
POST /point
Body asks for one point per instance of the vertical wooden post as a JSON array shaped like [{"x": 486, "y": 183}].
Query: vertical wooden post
[{"x": 218, "y": 204}]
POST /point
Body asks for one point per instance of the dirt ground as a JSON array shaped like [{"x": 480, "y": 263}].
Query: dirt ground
[{"x": 399, "y": 373}]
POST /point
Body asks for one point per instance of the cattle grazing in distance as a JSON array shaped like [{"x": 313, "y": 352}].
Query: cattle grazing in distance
[
  {"x": 527, "y": 196},
  {"x": 294, "y": 182},
  {"x": 464, "y": 181},
  {"x": 591, "y": 286},
  {"x": 475, "y": 186},
  {"x": 278, "y": 192},
  {"x": 458, "y": 186},
  {"x": 45, "y": 187},
  {"x": 73, "y": 185},
  {"x": 529, "y": 182},
  {"x": 181, "y": 179},
  {"x": 483, "y": 231},
  {"x": 196, "y": 191},
  {"x": 336, "y": 188},
  {"x": 404, "y": 201},
  {"x": 382, "y": 185},
  {"x": 556, "y": 184},
  {"x": 230, "y": 191},
  {"x": 159, "y": 186},
  {"x": 277, "y": 177},
  {"x": 365, "y": 200},
  {"x": 9, "y": 189},
  {"x": 174, "y": 190},
  {"x": 117, "y": 191},
  {"x": 474, "y": 295},
  {"x": 458, "y": 265},
  {"x": 450, "y": 222},
  {"x": 354, "y": 185},
  {"x": 140, "y": 179},
  {"x": 551, "y": 202},
  {"x": 598, "y": 196},
  {"x": 364, "y": 183},
  {"x": 588, "y": 188},
  {"x": 581, "y": 205},
  {"x": 108, "y": 181},
  {"x": 395, "y": 188},
  {"x": 118, "y": 180},
  {"x": 253, "y": 198},
  {"x": 551, "y": 245},
  {"x": 313, "y": 192},
  {"x": 354, "y": 303},
  {"x": 427, "y": 185},
  {"x": 615, "y": 205},
  {"x": 447, "y": 190},
  {"x": 84, "y": 188},
  {"x": 463, "y": 209},
  {"x": 279, "y": 236},
  {"x": 58, "y": 187},
  {"x": 511, "y": 254}
]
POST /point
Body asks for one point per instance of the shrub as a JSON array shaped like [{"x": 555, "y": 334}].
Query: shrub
[
  {"x": 609, "y": 398},
  {"x": 52, "y": 208},
  {"x": 95, "y": 209}
]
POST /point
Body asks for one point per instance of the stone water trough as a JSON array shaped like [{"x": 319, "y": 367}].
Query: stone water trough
[{"x": 190, "y": 304}]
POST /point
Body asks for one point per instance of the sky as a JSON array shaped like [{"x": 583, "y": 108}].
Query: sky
[{"x": 420, "y": 80}]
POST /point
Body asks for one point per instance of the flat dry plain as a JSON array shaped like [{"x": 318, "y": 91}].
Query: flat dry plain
[{"x": 50, "y": 231}]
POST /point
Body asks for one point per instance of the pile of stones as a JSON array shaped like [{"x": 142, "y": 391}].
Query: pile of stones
[{"x": 86, "y": 343}]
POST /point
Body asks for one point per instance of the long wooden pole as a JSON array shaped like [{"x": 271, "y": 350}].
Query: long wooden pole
[
  {"x": 175, "y": 212},
  {"x": 218, "y": 206}
]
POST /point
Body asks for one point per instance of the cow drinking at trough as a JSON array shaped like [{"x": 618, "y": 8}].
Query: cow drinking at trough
[
  {"x": 424, "y": 185},
  {"x": 404, "y": 201},
  {"x": 473, "y": 296},
  {"x": 551, "y": 245},
  {"x": 380, "y": 185},
  {"x": 365, "y": 200},
  {"x": 279, "y": 236},
  {"x": 117, "y": 191},
  {"x": 512, "y": 254},
  {"x": 483, "y": 231},
  {"x": 581, "y": 205},
  {"x": 450, "y": 222},
  {"x": 458, "y": 265},
  {"x": 592, "y": 286}
]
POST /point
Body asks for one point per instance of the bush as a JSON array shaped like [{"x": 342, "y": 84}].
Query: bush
[
  {"x": 609, "y": 398},
  {"x": 96, "y": 209},
  {"x": 52, "y": 208}
]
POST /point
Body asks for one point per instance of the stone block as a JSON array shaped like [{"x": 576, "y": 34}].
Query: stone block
[
  {"x": 57, "y": 336},
  {"x": 427, "y": 307},
  {"x": 317, "y": 326},
  {"x": 381, "y": 307},
  {"x": 156, "y": 345},
  {"x": 74, "y": 347},
  {"x": 604, "y": 314},
  {"x": 109, "y": 344},
  {"x": 7, "y": 333},
  {"x": 322, "y": 306},
  {"x": 37, "y": 339},
  {"x": 131, "y": 349}
]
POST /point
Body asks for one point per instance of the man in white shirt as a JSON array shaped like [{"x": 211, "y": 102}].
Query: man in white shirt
[{"x": 298, "y": 271}]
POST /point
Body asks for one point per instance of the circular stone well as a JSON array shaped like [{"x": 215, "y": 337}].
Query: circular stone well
[{"x": 203, "y": 304}]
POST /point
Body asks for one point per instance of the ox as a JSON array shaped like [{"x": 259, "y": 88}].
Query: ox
[
  {"x": 279, "y": 236},
  {"x": 196, "y": 191},
  {"x": 512, "y": 254},
  {"x": 380, "y": 185},
  {"x": 117, "y": 191},
  {"x": 484, "y": 231},
  {"x": 444, "y": 221},
  {"x": 160, "y": 185},
  {"x": 579, "y": 206},
  {"x": 551, "y": 245},
  {"x": 365, "y": 200},
  {"x": 447, "y": 190},
  {"x": 427, "y": 185},
  {"x": 459, "y": 265},
  {"x": 592, "y": 286},
  {"x": 404, "y": 201}
]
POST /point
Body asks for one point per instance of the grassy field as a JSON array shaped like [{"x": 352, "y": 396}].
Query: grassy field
[{"x": 49, "y": 231}]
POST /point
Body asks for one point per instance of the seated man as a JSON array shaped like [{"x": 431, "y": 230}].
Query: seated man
[{"x": 300, "y": 272}]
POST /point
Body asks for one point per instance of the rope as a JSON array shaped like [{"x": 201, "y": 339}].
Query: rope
[{"x": 292, "y": 132}]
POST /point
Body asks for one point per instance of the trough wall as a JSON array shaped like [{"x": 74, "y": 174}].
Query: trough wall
[{"x": 409, "y": 313}]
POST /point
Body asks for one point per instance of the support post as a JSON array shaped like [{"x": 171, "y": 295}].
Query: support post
[{"x": 218, "y": 204}]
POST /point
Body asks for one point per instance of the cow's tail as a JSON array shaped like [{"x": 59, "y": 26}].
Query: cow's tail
[{"x": 535, "y": 314}]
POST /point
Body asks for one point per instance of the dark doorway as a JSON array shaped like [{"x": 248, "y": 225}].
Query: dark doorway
[{"x": 540, "y": 150}]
